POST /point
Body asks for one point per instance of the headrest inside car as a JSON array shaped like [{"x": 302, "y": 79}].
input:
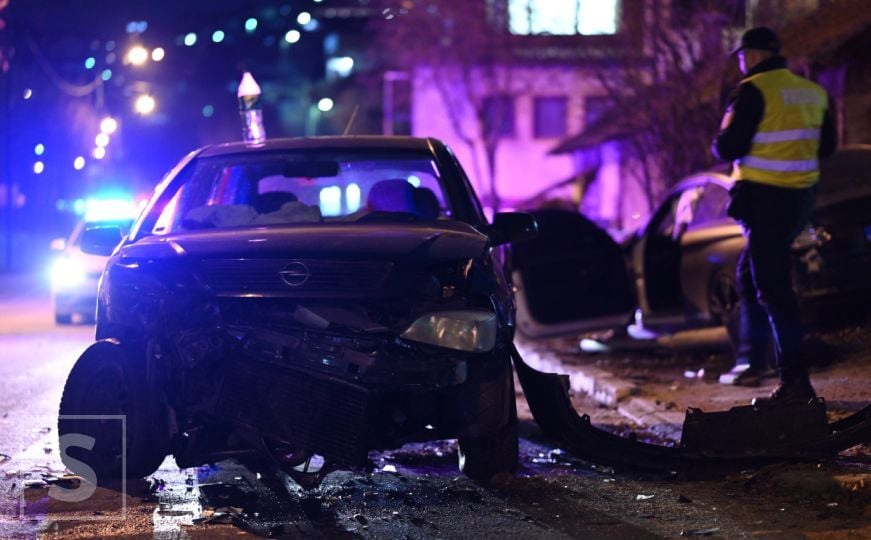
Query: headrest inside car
[{"x": 391, "y": 196}]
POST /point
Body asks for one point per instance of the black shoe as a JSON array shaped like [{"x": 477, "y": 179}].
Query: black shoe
[{"x": 795, "y": 390}]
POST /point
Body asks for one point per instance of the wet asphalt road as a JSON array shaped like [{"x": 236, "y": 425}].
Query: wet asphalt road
[{"x": 413, "y": 492}]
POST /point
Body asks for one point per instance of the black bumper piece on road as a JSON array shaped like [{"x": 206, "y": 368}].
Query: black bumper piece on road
[{"x": 547, "y": 395}]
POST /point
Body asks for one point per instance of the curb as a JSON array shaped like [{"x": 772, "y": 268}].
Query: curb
[{"x": 601, "y": 385}]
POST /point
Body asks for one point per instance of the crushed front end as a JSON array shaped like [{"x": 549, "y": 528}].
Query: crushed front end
[{"x": 285, "y": 359}]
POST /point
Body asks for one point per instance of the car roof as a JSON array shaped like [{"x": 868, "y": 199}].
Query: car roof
[
  {"x": 702, "y": 178},
  {"x": 338, "y": 141}
]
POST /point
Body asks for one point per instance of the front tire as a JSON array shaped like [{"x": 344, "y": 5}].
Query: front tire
[
  {"x": 106, "y": 384},
  {"x": 724, "y": 304},
  {"x": 480, "y": 458}
]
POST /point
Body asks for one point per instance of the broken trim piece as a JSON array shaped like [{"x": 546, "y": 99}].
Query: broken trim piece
[{"x": 548, "y": 398}]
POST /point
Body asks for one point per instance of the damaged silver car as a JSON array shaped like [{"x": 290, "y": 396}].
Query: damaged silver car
[{"x": 296, "y": 304}]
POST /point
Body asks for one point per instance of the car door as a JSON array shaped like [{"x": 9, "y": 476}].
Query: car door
[
  {"x": 710, "y": 247},
  {"x": 572, "y": 277},
  {"x": 656, "y": 257}
]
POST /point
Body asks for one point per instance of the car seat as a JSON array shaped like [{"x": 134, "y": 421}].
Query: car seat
[
  {"x": 391, "y": 196},
  {"x": 426, "y": 203},
  {"x": 272, "y": 201}
]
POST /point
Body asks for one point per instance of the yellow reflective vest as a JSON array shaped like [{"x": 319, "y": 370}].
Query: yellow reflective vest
[{"x": 784, "y": 149}]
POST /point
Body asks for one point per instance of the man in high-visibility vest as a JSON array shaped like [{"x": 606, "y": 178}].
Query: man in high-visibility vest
[{"x": 776, "y": 129}]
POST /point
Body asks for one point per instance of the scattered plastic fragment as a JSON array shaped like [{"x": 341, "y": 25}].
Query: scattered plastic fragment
[
  {"x": 700, "y": 532},
  {"x": 641, "y": 497}
]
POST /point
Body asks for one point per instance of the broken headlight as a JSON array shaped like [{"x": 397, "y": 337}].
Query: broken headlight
[{"x": 463, "y": 330}]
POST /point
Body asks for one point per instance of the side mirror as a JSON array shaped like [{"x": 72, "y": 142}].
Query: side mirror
[
  {"x": 58, "y": 244},
  {"x": 511, "y": 227},
  {"x": 101, "y": 240}
]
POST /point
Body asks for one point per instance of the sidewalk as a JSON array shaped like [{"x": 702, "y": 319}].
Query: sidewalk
[{"x": 651, "y": 387}]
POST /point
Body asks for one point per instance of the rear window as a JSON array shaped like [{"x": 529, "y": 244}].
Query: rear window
[{"x": 304, "y": 187}]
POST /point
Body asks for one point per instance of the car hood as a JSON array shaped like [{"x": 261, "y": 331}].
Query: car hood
[{"x": 427, "y": 241}]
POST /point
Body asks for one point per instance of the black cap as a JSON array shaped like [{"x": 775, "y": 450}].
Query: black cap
[{"x": 760, "y": 38}]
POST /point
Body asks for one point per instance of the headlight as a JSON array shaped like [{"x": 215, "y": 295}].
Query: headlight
[
  {"x": 67, "y": 273},
  {"x": 465, "y": 330}
]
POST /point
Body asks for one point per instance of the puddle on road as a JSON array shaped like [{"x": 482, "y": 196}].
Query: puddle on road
[{"x": 178, "y": 499}]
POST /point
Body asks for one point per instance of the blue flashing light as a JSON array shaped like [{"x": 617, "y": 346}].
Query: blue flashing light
[
  {"x": 218, "y": 36},
  {"x": 39, "y": 149},
  {"x": 107, "y": 74},
  {"x": 190, "y": 39},
  {"x": 208, "y": 111},
  {"x": 90, "y": 62},
  {"x": 251, "y": 24}
]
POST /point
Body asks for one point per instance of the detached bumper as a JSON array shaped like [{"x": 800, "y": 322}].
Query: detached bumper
[{"x": 754, "y": 434}]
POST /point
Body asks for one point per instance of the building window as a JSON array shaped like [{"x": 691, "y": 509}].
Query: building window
[
  {"x": 550, "y": 117},
  {"x": 563, "y": 17},
  {"x": 594, "y": 108},
  {"x": 499, "y": 116}
]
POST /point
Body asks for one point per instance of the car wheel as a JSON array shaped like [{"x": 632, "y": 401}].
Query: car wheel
[
  {"x": 105, "y": 386},
  {"x": 482, "y": 457},
  {"x": 724, "y": 303}
]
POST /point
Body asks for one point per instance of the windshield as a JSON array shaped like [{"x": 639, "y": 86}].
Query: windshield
[{"x": 262, "y": 189}]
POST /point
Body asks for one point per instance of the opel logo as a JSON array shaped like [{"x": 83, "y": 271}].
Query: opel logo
[{"x": 295, "y": 274}]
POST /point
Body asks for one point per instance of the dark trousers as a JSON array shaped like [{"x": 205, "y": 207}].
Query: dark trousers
[{"x": 772, "y": 217}]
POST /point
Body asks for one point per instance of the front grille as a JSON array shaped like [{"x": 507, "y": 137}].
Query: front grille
[
  {"x": 324, "y": 277},
  {"x": 326, "y": 416}
]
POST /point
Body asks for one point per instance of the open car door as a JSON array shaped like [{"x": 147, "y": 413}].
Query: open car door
[{"x": 572, "y": 277}]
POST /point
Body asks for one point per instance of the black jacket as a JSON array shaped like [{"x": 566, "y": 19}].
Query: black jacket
[{"x": 748, "y": 107}]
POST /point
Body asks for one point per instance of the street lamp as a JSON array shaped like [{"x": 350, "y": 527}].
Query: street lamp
[
  {"x": 292, "y": 36},
  {"x": 144, "y": 104},
  {"x": 108, "y": 125},
  {"x": 137, "y": 55},
  {"x": 325, "y": 104}
]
